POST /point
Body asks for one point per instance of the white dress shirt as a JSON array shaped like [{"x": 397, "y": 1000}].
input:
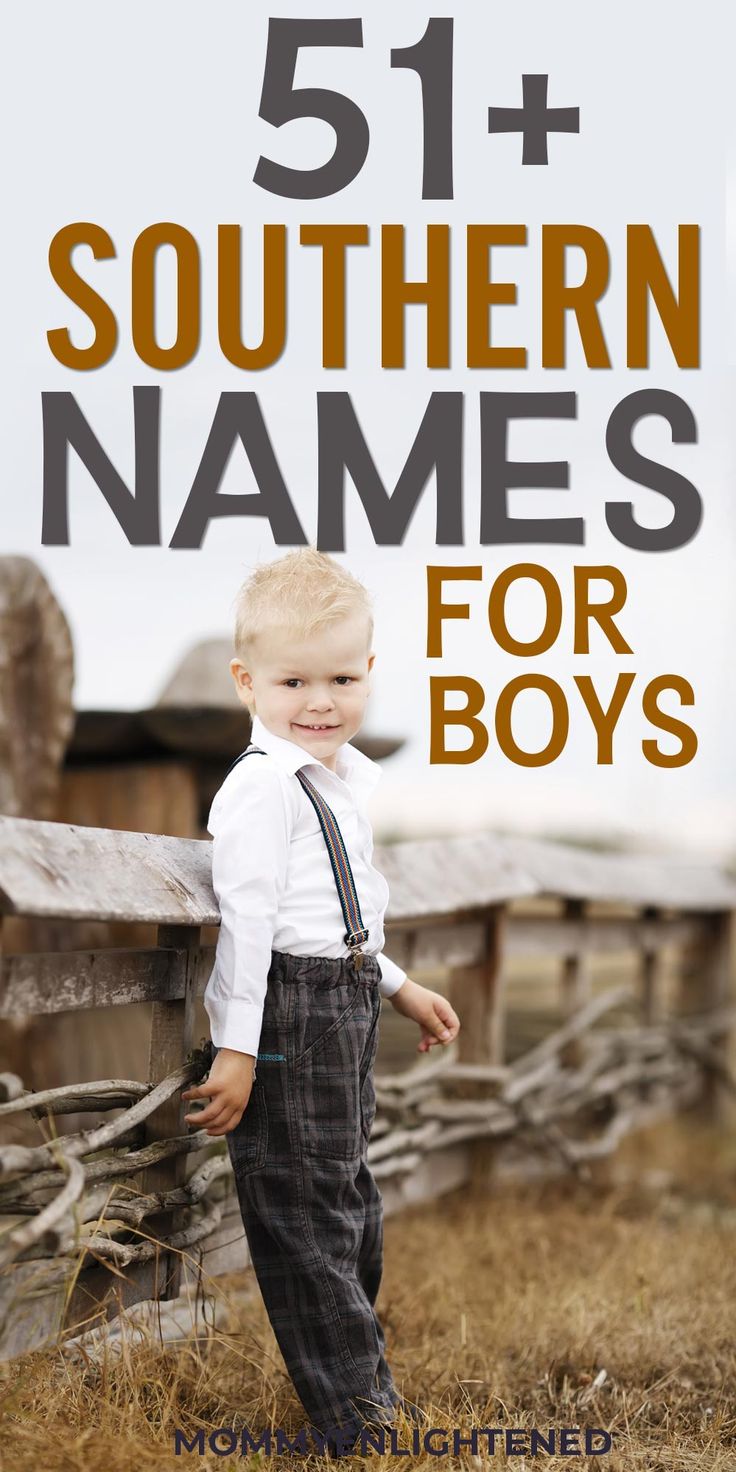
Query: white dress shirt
[{"x": 273, "y": 879}]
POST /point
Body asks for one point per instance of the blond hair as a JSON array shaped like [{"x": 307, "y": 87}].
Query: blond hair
[{"x": 302, "y": 592}]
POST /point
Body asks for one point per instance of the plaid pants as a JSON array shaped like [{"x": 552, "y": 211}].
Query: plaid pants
[{"x": 312, "y": 1212}]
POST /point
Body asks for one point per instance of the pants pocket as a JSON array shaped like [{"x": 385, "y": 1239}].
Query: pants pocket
[
  {"x": 320, "y": 1014},
  {"x": 367, "y": 1089},
  {"x": 328, "y": 1075},
  {"x": 248, "y": 1142}
]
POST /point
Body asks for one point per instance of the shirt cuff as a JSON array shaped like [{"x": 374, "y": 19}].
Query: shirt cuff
[
  {"x": 392, "y": 976},
  {"x": 235, "y": 1024}
]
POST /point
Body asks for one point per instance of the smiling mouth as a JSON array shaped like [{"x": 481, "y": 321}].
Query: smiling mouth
[{"x": 316, "y": 729}]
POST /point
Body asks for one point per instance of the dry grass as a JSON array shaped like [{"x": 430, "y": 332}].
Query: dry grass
[{"x": 500, "y": 1307}]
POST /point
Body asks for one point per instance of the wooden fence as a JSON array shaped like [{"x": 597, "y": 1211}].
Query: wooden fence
[{"x": 138, "y": 1208}]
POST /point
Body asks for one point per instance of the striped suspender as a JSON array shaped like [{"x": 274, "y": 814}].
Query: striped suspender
[{"x": 355, "y": 931}]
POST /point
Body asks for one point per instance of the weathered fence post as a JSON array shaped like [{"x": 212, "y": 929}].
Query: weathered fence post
[
  {"x": 478, "y": 998},
  {"x": 716, "y": 991},
  {"x": 575, "y": 979},
  {"x": 650, "y": 972},
  {"x": 705, "y": 983},
  {"x": 172, "y": 1036}
]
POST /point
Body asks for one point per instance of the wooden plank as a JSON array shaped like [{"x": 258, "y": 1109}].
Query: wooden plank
[
  {"x": 574, "y": 986},
  {"x": 455, "y": 941},
  {"x": 477, "y": 994},
  {"x": 71, "y": 873},
  {"x": 36, "y": 1303},
  {"x": 67, "y": 981},
  {"x": 432, "y": 877},
  {"x": 33, "y": 1295},
  {"x": 191, "y": 1317},
  {"x": 716, "y": 990},
  {"x": 68, "y": 872},
  {"x": 574, "y": 872},
  {"x": 172, "y": 1036},
  {"x": 99, "y": 1295},
  {"x": 427, "y": 945},
  {"x": 651, "y": 968},
  {"x": 563, "y": 935},
  {"x": 477, "y": 997},
  {"x": 133, "y": 797}
]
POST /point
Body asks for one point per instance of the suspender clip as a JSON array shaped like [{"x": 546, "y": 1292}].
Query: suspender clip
[{"x": 355, "y": 940}]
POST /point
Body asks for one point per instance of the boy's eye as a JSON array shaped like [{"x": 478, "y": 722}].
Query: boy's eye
[{"x": 294, "y": 680}]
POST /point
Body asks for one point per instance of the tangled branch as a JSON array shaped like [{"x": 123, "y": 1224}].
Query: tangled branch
[{"x": 72, "y": 1199}]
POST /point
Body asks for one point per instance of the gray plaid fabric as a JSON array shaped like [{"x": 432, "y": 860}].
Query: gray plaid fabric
[{"x": 312, "y": 1212}]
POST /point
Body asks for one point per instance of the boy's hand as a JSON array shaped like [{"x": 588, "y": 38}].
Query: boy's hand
[
  {"x": 228, "y": 1088},
  {"x": 437, "y": 1020}
]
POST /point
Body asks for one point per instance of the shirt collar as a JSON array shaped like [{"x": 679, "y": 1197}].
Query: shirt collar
[{"x": 351, "y": 763}]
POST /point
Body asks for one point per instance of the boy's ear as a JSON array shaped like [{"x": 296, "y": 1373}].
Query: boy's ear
[
  {"x": 243, "y": 681},
  {"x": 371, "y": 658}
]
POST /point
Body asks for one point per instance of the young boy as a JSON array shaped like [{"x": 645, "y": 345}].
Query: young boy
[{"x": 297, "y": 985}]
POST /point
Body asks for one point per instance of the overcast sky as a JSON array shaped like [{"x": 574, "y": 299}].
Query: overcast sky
[{"x": 142, "y": 113}]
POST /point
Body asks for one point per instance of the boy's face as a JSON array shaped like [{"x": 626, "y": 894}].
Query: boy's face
[{"x": 310, "y": 691}]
